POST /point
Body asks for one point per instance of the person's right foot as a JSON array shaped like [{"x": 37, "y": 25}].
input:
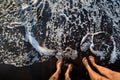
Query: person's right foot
[
  {"x": 69, "y": 69},
  {"x": 92, "y": 60}
]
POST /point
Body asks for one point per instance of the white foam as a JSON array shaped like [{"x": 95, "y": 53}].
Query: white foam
[
  {"x": 114, "y": 54},
  {"x": 84, "y": 46},
  {"x": 86, "y": 2},
  {"x": 25, "y": 6},
  {"x": 34, "y": 2},
  {"x": 57, "y": 10},
  {"x": 29, "y": 36},
  {"x": 84, "y": 38},
  {"x": 15, "y": 23},
  {"x": 101, "y": 54},
  {"x": 41, "y": 50}
]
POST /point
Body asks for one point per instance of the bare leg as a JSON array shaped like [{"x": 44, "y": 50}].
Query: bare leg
[
  {"x": 55, "y": 76},
  {"x": 112, "y": 75},
  {"x": 67, "y": 73},
  {"x": 93, "y": 75}
]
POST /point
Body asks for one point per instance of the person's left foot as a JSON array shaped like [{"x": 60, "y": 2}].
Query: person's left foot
[
  {"x": 58, "y": 71},
  {"x": 67, "y": 74},
  {"x": 58, "y": 65}
]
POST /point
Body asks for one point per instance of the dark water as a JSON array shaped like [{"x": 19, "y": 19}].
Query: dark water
[{"x": 32, "y": 31}]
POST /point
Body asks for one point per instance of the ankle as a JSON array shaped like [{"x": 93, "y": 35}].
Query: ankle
[
  {"x": 58, "y": 71},
  {"x": 67, "y": 73},
  {"x": 67, "y": 77}
]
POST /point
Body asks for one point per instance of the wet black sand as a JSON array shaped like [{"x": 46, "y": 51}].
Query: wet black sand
[{"x": 43, "y": 70}]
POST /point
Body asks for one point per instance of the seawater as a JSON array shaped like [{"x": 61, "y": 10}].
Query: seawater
[{"x": 30, "y": 28}]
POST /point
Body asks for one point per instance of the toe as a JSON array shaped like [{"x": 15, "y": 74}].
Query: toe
[
  {"x": 91, "y": 58},
  {"x": 84, "y": 60},
  {"x": 59, "y": 62},
  {"x": 70, "y": 67}
]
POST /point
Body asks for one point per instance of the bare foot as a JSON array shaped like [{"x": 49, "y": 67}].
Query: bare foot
[
  {"x": 67, "y": 73},
  {"x": 85, "y": 62},
  {"x": 55, "y": 76},
  {"x": 69, "y": 69},
  {"x": 58, "y": 65},
  {"x": 92, "y": 59}
]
